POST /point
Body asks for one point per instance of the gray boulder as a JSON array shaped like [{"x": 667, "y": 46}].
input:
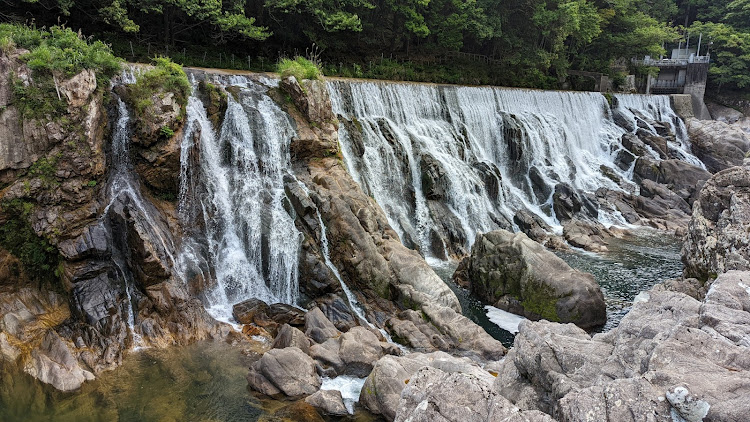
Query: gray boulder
[
  {"x": 671, "y": 355},
  {"x": 318, "y": 327},
  {"x": 359, "y": 350},
  {"x": 435, "y": 395},
  {"x": 289, "y": 371},
  {"x": 680, "y": 177},
  {"x": 569, "y": 203},
  {"x": 289, "y": 336},
  {"x": 514, "y": 273},
  {"x": 329, "y": 402},
  {"x": 718, "y": 144},
  {"x": 382, "y": 389},
  {"x": 717, "y": 237},
  {"x": 589, "y": 236}
]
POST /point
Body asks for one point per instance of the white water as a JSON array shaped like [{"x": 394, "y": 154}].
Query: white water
[
  {"x": 350, "y": 388},
  {"x": 249, "y": 243},
  {"x": 503, "y": 319},
  {"x": 480, "y": 136}
]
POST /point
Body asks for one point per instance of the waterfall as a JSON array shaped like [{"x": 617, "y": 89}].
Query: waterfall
[
  {"x": 448, "y": 162},
  {"x": 232, "y": 187}
]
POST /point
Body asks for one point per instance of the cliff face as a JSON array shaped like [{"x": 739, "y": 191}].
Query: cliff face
[{"x": 78, "y": 258}]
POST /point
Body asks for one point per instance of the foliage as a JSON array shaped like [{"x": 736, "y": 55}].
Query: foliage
[
  {"x": 731, "y": 55},
  {"x": 166, "y": 76},
  {"x": 166, "y": 132},
  {"x": 38, "y": 257},
  {"x": 300, "y": 68}
]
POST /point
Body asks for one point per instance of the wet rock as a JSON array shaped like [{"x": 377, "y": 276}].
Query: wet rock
[
  {"x": 539, "y": 185},
  {"x": 337, "y": 311},
  {"x": 449, "y": 235},
  {"x": 281, "y": 313},
  {"x": 329, "y": 402},
  {"x": 215, "y": 100},
  {"x": 718, "y": 144},
  {"x": 246, "y": 311},
  {"x": 717, "y": 239},
  {"x": 435, "y": 182},
  {"x": 359, "y": 350},
  {"x": 680, "y": 177},
  {"x": 569, "y": 203},
  {"x": 318, "y": 327},
  {"x": 657, "y": 144},
  {"x": 54, "y": 363},
  {"x": 633, "y": 144},
  {"x": 533, "y": 226},
  {"x": 589, "y": 236},
  {"x": 289, "y": 371},
  {"x": 465, "y": 335},
  {"x": 299, "y": 411},
  {"x": 289, "y": 336},
  {"x": 514, "y": 273}
]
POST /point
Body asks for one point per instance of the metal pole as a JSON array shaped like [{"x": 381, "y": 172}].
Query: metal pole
[{"x": 700, "y": 38}]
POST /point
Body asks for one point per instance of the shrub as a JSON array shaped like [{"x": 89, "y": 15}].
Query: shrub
[
  {"x": 166, "y": 132},
  {"x": 300, "y": 68},
  {"x": 167, "y": 76},
  {"x": 38, "y": 257}
]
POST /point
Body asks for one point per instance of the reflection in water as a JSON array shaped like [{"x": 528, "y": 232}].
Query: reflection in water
[{"x": 632, "y": 265}]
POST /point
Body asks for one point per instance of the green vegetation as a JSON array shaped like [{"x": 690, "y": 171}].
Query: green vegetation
[
  {"x": 54, "y": 55},
  {"x": 300, "y": 68},
  {"x": 166, "y": 132},
  {"x": 166, "y": 76},
  {"x": 38, "y": 257},
  {"x": 529, "y": 43}
]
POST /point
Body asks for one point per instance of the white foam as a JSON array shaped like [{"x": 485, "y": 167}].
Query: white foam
[
  {"x": 503, "y": 319},
  {"x": 641, "y": 297},
  {"x": 349, "y": 386}
]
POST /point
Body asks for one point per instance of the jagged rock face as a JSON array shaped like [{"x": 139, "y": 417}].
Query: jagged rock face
[
  {"x": 514, "y": 273},
  {"x": 717, "y": 237},
  {"x": 569, "y": 203},
  {"x": 718, "y": 144},
  {"x": 693, "y": 353},
  {"x": 680, "y": 177}
]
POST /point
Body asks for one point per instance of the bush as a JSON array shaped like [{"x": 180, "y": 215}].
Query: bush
[
  {"x": 167, "y": 76},
  {"x": 37, "y": 255},
  {"x": 300, "y": 68}
]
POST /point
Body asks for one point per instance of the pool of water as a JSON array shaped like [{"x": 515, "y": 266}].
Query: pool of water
[
  {"x": 202, "y": 382},
  {"x": 633, "y": 264}
]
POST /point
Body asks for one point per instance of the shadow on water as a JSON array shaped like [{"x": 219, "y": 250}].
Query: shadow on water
[{"x": 633, "y": 264}]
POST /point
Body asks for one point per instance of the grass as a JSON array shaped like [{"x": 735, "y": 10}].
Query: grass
[
  {"x": 299, "y": 67},
  {"x": 55, "y": 53},
  {"x": 167, "y": 76}
]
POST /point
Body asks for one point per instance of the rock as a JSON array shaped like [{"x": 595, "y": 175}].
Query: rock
[
  {"x": 670, "y": 355},
  {"x": 435, "y": 182},
  {"x": 382, "y": 389},
  {"x": 329, "y": 402},
  {"x": 311, "y": 98},
  {"x": 723, "y": 114},
  {"x": 318, "y": 327},
  {"x": 245, "y": 312},
  {"x": 533, "y": 226},
  {"x": 78, "y": 89},
  {"x": 359, "y": 350},
  {"x": 289, "y": 371},
  {"x": 434, "y": 395},
  {"x": 465, "y": 335},
  {"x": 53, "y": 363},
  {"x": 657, "y": 144},
  {"x": 514, "y": 273},
  {"x": 680, "y": 177},
  {"x": 568, "y": 203},
  {"x": 327, "y": 359},
  {"x": 299, "y": 411},
  {"x": 589, "y": 236},
  {"x": 717, "y": 239},
  {"x": 337, "y": 311},
  {"x": 633, "y": 144},
  {"x": 281, "y": 313},
  {"x": 289, "y": 336},
  {"x": 718, "y": 144}
]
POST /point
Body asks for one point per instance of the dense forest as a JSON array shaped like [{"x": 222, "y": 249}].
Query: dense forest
[{"x": 531, "y": 43}]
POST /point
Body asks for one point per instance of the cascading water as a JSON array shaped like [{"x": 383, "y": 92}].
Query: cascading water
[
  {"x": 447, "y": 162},
  {"x": 232, "y": 187}
]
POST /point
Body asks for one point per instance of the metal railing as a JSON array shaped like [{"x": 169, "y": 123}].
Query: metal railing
[{"x": 672, "y": 62}]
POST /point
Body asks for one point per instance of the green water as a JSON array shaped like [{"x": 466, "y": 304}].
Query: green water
[{"x": 632, "y": 265}]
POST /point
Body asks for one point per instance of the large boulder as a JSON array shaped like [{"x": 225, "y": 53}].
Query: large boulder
[
  {"x": 589, "y": 236},
  {"x": 286, "y": 371},
  {"x": 569, "y": 203},
  {"x": 514, "y": 273},
  {"x": 717, "y": 237},
  {"x": 382, "y": 389},
  {"x": 680, "y": 177},
  {"x": 435, "y": 395},
  {"x": 670, "y": 356},
  {"x": 359, "y": 350},
  {"x": 718, "y": 144}
]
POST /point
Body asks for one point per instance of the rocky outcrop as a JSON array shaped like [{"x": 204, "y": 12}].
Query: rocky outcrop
[
  {"x": 680, "y": 177},
  {"x": 329, "y": 402},
  {"x": 671, "y": 346},
  {"x": 717, "y": 238},
  {"x": 589, "y": 236},
  {"x": 718, "y": 144},
  {"x": 514, "y": 273}
]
